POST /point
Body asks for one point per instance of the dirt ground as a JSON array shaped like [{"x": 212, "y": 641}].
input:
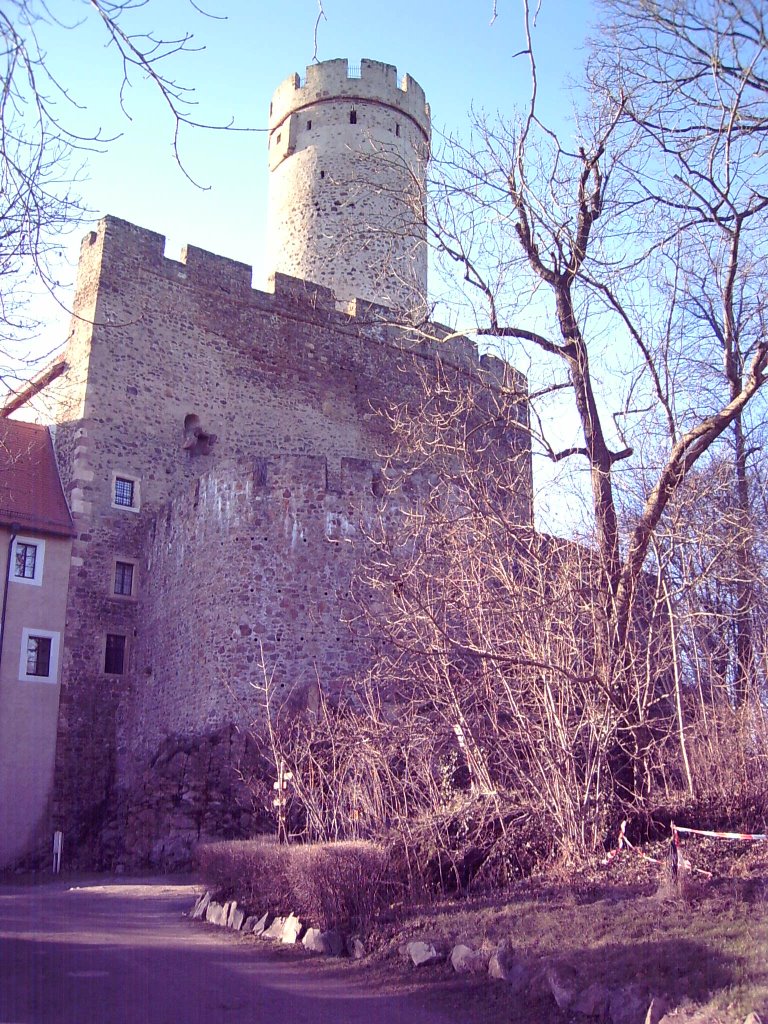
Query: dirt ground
[{"x": 119, "y": 951}]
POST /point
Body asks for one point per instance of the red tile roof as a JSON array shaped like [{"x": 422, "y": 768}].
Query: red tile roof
[{"x": 30, "y": 489}]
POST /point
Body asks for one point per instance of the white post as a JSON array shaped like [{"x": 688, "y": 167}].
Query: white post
[{"x": 58, "y": 838}]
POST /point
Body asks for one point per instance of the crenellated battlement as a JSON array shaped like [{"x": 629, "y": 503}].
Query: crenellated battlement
[
  {"x": 284, "y": 476},
  {"x": 336, "y": 80},
  {"x": 124, "y": 250}
]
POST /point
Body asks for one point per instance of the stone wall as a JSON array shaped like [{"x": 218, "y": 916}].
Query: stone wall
[
  {"x": 244, "y": 546},
  {"x": 246, "y": 597}
]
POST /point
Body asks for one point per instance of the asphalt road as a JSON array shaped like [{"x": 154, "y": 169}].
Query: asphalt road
[{"x": 121, "y": 952}]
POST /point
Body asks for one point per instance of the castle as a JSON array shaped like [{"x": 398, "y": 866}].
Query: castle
[{"x": 218, "y": 448}]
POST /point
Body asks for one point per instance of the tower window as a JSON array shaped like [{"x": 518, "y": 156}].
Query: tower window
[
  {"x": 397, "y": 130},
  {"x": 124, "y": 492},
  {"x": 309, "y": 125},
  {"x": 353, "y": 117},
  {"x": 322, "y": 174}
]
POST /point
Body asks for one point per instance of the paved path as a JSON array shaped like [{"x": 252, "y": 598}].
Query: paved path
[{"x": 120, "y": 952}]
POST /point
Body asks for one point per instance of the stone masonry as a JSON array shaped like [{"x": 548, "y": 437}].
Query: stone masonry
[{"x": 220, "y": 448}]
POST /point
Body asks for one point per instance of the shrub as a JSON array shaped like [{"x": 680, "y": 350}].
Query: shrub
[
  {"x": 330, "y": 885},
  {"x": 340, "y": 885},
  {"x": 254, "y": 872}
]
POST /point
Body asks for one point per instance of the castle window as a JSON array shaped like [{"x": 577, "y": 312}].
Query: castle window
[
  {"x": 309, "y": 126},
  {"x": 397, "y": 130},
  {"x": 322, "y": 174},
  {"x": 123, "y": 579},
  {"x": 27, "y": 560},
  {"x": 353, "y": 117},
  {"x": 39, "y": 656},
  {"x": 114, "y": 654},
  {"x": 277, "y": 140},
  {"x": 126, "y": 492}
]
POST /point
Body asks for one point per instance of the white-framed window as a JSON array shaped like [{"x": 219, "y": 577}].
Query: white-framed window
[
  {"x": 27, "y": 557},
  {"x": 124, "y": 578},
  {"x": 126, "y": 491},
  {"x": 39, "y": 656}
]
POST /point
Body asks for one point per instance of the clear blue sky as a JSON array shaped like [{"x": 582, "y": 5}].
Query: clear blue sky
[{"x": 451, "y": 49}]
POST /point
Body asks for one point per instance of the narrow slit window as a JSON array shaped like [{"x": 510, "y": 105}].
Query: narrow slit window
[
  {"x": 309, "y": 126},
  {"x": 353, "y": 117},
  {"x": 397, "y": 130}
]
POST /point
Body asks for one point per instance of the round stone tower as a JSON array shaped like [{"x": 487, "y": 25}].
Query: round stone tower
[{"x": 348, "y": 149}]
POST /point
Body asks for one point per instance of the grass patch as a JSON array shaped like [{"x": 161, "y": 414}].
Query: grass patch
[{"x": 704, "y": 951}]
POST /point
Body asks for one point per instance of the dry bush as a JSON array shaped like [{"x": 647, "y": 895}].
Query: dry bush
[
  {"x": 331, "y": 885},
  {"x": 255, "y": 872},
  {"x": 341, "y": 885},
  {"x": 728, "y": 751},
  {"x": 476, "y": 843}
]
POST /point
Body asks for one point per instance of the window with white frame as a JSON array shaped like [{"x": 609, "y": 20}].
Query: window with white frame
[
  {"x": 126, "y": 492},
  {"x": 27, "y": 557},
  {"x": 39, "y": 656}
]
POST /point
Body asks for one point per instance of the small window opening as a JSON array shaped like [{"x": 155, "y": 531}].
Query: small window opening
[
  {"x": 114, "y": 654},
  {"x": 322, "y": 174},
  {"x": 277, "y": 140},
  {"x": 397, "y": 130},
  {"x": 38, "y": 656},
  {"x": 353, "y": 117},
  {"x": 309, "y": 125},
  {"x": 124, "y": 578},
  {"x": 124, "y": 492},
  {"x": 26, "y": 559}
]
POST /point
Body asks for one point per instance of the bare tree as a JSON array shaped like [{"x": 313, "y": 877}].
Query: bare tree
[
  {"x": 693, "y": 79},
  {"x": 632, "y": 262},
  {"x": 42, "y": 140}
]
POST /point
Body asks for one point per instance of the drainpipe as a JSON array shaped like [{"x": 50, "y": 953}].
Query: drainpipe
[{"x": 15, "y": 529}]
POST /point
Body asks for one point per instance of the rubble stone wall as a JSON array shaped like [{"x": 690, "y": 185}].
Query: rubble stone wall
[{"x": 237, "y": 546}]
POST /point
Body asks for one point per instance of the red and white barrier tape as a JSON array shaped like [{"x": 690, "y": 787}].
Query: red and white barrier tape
[
  {"x": 624, "y": 844},
  {"x": 748, "y": 836}
]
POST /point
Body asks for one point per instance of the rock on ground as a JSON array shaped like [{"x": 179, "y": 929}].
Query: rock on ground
[
  {"x": 275, "y": 930},
  {"x": 466, "y": 960},
  {"x": 422, "y": 953},
  {"x": 291, "y": 930}
]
